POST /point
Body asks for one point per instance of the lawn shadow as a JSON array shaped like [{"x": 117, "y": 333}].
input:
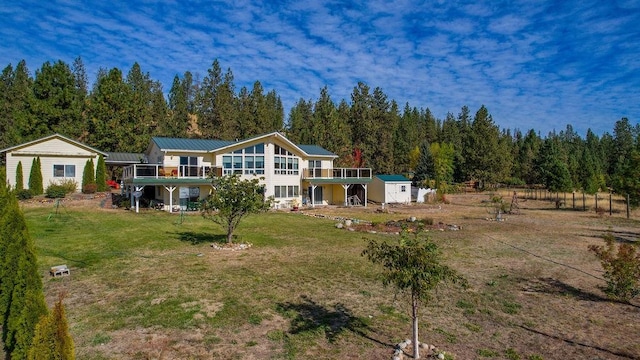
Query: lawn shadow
[
  {"x": 576, "y": 343},
  {"x": 622, "y": 237},
  {"x": 556, "y": 287},
  {"x": 196, "y": 238},
  {"x": 309, "y": 316}
]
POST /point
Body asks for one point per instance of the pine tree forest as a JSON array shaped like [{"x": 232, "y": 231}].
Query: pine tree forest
[{"x": 122, "y": 110}]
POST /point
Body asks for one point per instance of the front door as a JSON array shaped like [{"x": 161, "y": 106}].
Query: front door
[{"x": 317, "y": 195}]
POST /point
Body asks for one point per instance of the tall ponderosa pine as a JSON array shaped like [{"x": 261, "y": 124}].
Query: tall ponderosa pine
[
  {"x": 101, "y": 175},
  {"x": 35, "y": 178},
  {"x": 19, "y": 176},
  {"x": 52, "y": 339},
  {"x": 57, "y": 104},
  {"x": 21, "y": 297},
  {"x": 482, "y": 155}
]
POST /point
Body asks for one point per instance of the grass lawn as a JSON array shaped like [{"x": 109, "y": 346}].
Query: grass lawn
[{"x": 148, "y": 286}]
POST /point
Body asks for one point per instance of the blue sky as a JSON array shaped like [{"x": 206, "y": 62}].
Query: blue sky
[{"x": 533, "y": 64}]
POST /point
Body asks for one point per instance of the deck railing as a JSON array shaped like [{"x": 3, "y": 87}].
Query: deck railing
[
  {"x": 337, "y": 173},
  {"x": 158, "y": 171}
]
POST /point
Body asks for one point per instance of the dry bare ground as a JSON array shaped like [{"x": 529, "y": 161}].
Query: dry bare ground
[
  {"x": 534, "y": 294},
  {"x": 540, "y": 258}
]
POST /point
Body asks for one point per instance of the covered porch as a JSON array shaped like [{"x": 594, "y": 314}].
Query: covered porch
[
  {"x": 344, "y": 192},
  {"x": 168, "y": 194}
]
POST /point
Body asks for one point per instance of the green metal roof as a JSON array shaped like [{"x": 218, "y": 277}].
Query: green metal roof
[
  {"x": 392, "y": 178},
  {"x": 190, "y": 144},
  {"x": 316, "y": 150},
  {"x": 168, "y": 181},
  {"x": 165, "y": 143},
  {"x": 339, "y": 181},
  {"x": 125, "y": 158}
]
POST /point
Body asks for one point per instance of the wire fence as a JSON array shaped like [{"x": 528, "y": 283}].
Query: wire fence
[{"x": 600, "y": 203}]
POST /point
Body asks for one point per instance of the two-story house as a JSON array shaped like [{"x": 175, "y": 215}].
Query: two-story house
[{"x": 178, "y": 170}]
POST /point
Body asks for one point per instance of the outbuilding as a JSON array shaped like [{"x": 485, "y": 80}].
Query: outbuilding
[{"x": 390, "y": 189}]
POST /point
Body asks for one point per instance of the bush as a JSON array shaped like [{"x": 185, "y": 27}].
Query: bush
[
  {"x": 621, "y": 268},
  {"x": 90, "y": 189},
  {"x": 24, "y": 194},
  {"x": 55, "y": 191},
  {"x": 69, "y": 185}
]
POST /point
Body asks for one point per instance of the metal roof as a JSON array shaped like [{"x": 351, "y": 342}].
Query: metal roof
[
  {"x": 190, "y": 144},
  {"x": 125, "y": 158},
  {"x": 393, "y": 178},
  {"x": 211, "y": 145},
  {"x": 316, "y": 150}
]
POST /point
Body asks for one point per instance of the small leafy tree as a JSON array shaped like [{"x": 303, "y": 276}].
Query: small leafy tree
[
  {"x": 621, "y": 268},
  {"x": 232, "y": 200},
  {"x": 19, "y": 177},
  {"x": 101, "y": 175},
  {"x": 412, "y": 266},
  {"x": 89, "y": 178},
  {"x": 35, "y": 177},
  {"x": 52, "y": 339}
]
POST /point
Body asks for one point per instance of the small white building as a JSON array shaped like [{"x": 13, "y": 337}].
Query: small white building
[
  {"x": 60, "y": 158},
  {"x": 390, "y": 189}
]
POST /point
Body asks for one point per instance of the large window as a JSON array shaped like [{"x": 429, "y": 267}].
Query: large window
[
  {"x": 315, "y": 168},
  {"x": 64, "y": 171},
  {"x": 284, "y": 162},
  {"x": 286, "y": 191},
  {"x": 248, "y": 161},
  {"x": 188, "y": 166}
]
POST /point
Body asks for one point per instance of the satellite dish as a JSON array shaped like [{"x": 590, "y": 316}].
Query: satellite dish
[{"x": 137, "y": 194}]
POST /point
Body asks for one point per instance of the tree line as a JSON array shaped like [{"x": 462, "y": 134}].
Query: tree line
[{"x": 121, "y": 112}]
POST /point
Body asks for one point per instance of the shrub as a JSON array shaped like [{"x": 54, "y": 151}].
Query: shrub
[
  {"x": 24, "y": 194},
  {"x": 101, "y": 175},
  {"x": 19, "y": 177},
  {"x": 55, "y": 191},
  {"x": 35, "y": 177},
  {"x": 88, "y": 175},
  {"x": 69, "y": 185},
  {"x": 621, "y": 268},
  {"x": 90, "y": 189}
]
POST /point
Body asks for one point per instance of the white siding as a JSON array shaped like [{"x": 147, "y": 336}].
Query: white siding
[{"x": 54, "y": 151}]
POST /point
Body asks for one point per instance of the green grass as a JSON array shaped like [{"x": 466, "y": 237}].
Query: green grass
[{"x": 147, "y": 286}]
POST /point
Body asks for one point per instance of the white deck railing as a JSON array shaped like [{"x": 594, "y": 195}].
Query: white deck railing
[
  {"x": 337, "y": 173},
  {"x": 158, "y": 171}
]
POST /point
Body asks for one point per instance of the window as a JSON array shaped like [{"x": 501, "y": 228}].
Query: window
[
  {"x": 244, "y": 161},
  {"x": 284, "y": 191},
  {"x": 64, "y": 171},
  {"x": 403, "y": 188},
  {"x": 284, "y": 162},
  {"x": 188, "y": 166},
  {"x": 315, "y": 168}
]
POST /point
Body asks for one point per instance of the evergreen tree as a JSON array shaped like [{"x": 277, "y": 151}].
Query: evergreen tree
[
  {"x": 553, "y": 170},
  {"x": 21, "y": 297},
  {"x": 331, "y": 132},
  {"x": 110, "y": 121},
  {"x": 425, "y": 170},
  {"x": 35, "y": 178},
  {"x": 52, "y": 340},
  {"x": 300, "y": 127},
  {"x": 19, "y": 177},
  {"x": 482, "y": 154},
  {"x": 101, "y": 175},
  {"x": 89, "y": 178},
  {"x": 57, "y": 105},
  {"x": 177, "y": 123}
]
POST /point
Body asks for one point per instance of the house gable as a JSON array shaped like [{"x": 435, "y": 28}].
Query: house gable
[{"x": 60, "y": 157}]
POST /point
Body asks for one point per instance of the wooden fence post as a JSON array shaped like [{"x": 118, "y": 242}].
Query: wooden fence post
[
  {"x": 573, "y": 195},
  {"x": 628, "y": 206},
  {"x": 610, "y": 210},
  {"x": 584, "y": 205},
  {"x": 596, "y": 201}
]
